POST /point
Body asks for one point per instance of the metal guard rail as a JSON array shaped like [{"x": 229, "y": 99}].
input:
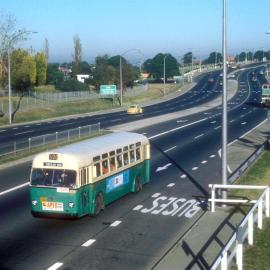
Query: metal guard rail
[{"x": 245, "y": 229}]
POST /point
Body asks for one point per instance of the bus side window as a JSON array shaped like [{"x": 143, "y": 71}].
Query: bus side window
[
  {"x": 112, "y": 164},
  {"x": 138, "y": 153},
  {"x": 125, "y": 156},
  {"x": 119, "y": 161},
  {"x": 105, "y": 168},
  {"x": 132, "y": 156},
  {"x": 96, "y": 170}
]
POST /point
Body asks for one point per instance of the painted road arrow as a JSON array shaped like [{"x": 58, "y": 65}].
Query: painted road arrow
[{"x": 165, "y": 167}]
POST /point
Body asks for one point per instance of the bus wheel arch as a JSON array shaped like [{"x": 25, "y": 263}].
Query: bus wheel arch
[
  {"x": 137, "y": 184},
  {"x": 99, "y": 204}
]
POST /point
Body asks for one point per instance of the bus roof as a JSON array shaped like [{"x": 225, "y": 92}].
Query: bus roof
[{"x": 84, "y": 151}]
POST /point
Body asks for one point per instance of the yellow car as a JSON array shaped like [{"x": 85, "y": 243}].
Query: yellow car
[{"x": 134, "y": 109}]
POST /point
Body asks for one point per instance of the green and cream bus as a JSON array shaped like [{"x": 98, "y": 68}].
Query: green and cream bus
[{"x": 81, "y": 178}]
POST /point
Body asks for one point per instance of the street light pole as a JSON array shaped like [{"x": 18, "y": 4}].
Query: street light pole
[
  {"x": 164, "y": 74},
  {"x": 121, "y": 82},
  {"x": 9, "y": 88},
  {"x": 121, "y": 74},
  {"x": 224, "y": 103}
]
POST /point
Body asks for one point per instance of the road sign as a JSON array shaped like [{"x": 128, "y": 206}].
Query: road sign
[{"x": 107, "y": 89}]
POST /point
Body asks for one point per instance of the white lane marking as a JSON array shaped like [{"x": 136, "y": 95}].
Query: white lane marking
[
  {"x": 183, "y": 176},
  {"x": 2, "y": 130},
  {"x": 115, "y": 120},
  {"x": 26, "y": 126},
  {"x": 14, "y": 188},
  {"x": 218, "y": 127},
  {"x": 116, "y": 223},
  {"x": 195, "y": 168},
  {"x": 38, "y": 124},
  {"x": 155, "y": 195},
  {"x": 204, "y": 161},
  {"x": 232, "y": 121},
  {"x": 197, "y": 137},
  {"x": 243, "y": 123},
  {"x": 138, "y": 207},
  {"x": 89, "y": 243},
  {"x": 55, "y": 266},
  {"x": 213, "y": 122},
  {"x": 29, "y": 131},
  {"x": 144, "y": 133},
  {"x": 67, "y": 124},
  {"x": 171, "y": 185},
  {"x": 15, "y": 128},
  {"x": 212, "y": 156},
  {"x": 174, "y": 129},
  {"x": 181, "y": 121},
  {"x": 167, "y": 150}
]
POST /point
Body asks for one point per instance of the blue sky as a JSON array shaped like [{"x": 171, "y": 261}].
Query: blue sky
[{"x": 153, "y": 26}]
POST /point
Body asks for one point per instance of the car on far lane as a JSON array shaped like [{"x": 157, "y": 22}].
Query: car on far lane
[{"x": 134, "y": 109}]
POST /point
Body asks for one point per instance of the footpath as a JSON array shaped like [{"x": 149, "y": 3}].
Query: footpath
[{"x": 199, "y": 248}]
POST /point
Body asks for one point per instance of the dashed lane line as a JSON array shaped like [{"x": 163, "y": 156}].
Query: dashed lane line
[
  {"x": 14, "y": 188},
  {"x": 183, "y": 176},
  {"x": 116, "y": 223},
  {"x": 155, "y": 195},
  {"x": 167, "y": 150},
  {"x": 89, "y": 243},
  {"x": 171, "y": 185},
  {"x": 55, "y": 266}
]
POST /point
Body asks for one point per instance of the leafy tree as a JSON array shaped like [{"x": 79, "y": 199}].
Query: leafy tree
[
  {"x": 214, "y": 57},
  {"x": 23, "y": 68},
  {"x": 41, "y": 68},
  {"x": 54, "y": 75},
  {"x": 85, "y": 68},
  {"x": 77, "y": 57},
  {"x": 187, "y": 58},
  {"x": 156, "y": 66},
  {"x": 103, "y": 73},
  {"x": 259, "y": 55}
]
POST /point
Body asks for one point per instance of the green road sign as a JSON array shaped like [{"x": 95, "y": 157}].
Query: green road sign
[{"x": 107, "y": 89}]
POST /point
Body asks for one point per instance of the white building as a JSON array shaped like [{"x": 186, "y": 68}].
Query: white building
[{"x": 82, "y": 77}]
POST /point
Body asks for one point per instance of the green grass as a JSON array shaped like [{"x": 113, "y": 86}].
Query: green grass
[
  {"x": 39, "y": 112},
  {"x": 257, "y": 257}
]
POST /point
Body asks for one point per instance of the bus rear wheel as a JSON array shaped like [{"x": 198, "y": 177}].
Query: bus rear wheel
[
  {"x": 99, "y": 204},
  {"x": 138, "y": 184}
]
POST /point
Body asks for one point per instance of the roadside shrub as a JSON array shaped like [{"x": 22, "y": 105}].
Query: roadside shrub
[{"x": 72, "y": 85}]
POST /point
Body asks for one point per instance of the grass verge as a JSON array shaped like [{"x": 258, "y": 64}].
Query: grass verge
[
  {"x": 36, "y": 109},
  {"x": 257, "y": 256}
]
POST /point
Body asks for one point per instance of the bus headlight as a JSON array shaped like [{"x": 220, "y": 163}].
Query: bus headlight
[
  {"x": 71, "y": 204},
  {"x": 34, "y": 203}
]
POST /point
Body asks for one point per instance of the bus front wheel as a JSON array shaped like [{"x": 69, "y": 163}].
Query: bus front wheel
[
  {"x": 99, "y": 204},
  {"x": 138, "y": 184}
]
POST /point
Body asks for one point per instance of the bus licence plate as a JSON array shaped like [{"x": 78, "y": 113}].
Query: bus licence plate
[{"x": 53, "y": 206}]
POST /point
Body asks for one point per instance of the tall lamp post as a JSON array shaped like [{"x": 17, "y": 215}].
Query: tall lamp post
[
  {"x": 15, "y": 37},
  {"x": 121, "y": 73},
  {"x": 224, "y": 102},
  {"x": 164, "y": 73}
]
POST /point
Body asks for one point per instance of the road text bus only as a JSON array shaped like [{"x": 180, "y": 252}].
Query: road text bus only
[{"x": 172, "y": 206}]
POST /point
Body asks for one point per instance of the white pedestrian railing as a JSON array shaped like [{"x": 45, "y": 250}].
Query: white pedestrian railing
[{"x": 234, "y": 247}]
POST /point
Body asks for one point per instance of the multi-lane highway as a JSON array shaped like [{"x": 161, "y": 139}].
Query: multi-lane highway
[{"x": 137, "y": 230}]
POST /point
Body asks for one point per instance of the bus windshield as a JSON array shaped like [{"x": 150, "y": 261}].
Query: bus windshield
[{"x": 53, "y": 177}]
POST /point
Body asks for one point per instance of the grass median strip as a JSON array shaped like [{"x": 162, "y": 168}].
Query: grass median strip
[{"x": 257, "y": 256}]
